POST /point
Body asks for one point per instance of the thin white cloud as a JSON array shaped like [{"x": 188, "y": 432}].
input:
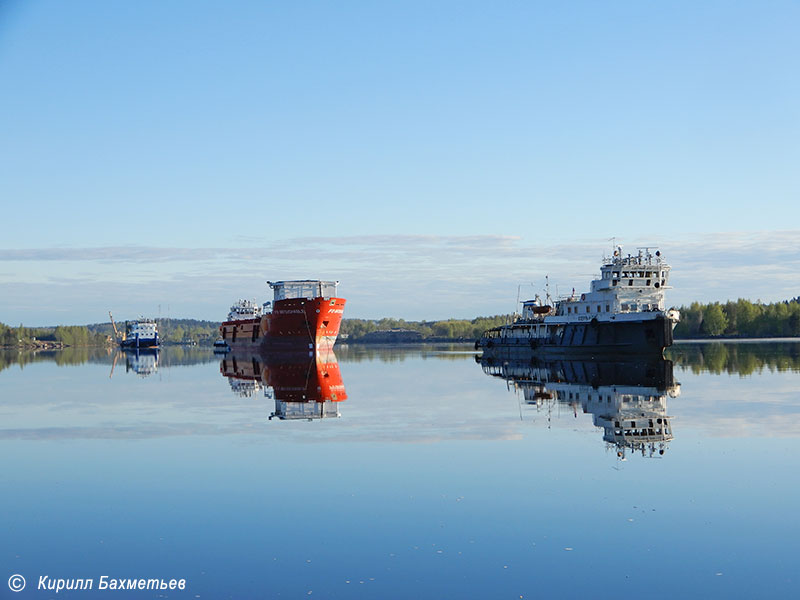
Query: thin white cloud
[{"x": 409, "y": 276}]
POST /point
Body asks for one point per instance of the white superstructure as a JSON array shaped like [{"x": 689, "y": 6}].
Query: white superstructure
[
  {"x": 142, "y": 333},
  {"x": 144, "y": 329},
  {"x": 244, "y": 310},
  {"x": 303, "y": 288},
  {"x": 630, "y": 288}
]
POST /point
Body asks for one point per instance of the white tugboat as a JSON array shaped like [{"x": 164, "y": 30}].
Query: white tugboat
[
  {"x": 623, "y": 313},
  {"x": 140, "y": 334}
]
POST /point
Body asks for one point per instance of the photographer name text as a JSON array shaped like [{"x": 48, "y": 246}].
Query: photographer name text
[{"x": 106, "y": 582}]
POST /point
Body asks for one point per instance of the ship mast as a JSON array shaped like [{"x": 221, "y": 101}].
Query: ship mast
[{"x": 547, "y": 290}]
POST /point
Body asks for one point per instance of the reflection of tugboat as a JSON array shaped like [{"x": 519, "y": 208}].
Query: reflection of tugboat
[
  {"x": 221, "y": 347},
  {"x": 142, "y": 361},
  {"x": 304, "y": 385},
  {"x": 628, "y": 400},
  {"x": 624, "y": 313}
]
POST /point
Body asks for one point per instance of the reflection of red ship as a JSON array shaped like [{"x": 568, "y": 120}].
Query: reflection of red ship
[
  {"x": 303, "y": 314},
  {"x": 304, "y": 386}
]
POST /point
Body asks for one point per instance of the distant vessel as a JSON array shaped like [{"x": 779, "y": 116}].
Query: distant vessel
[
  {"x": 304, "y": 314},
  {"x": 140, "y": 334},
  {"x": 624, "y": 313}
]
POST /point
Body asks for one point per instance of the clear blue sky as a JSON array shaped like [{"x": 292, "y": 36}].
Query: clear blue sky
[{"x": 430, "y": 155}]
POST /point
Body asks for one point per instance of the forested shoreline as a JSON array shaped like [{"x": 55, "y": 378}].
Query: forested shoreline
[
  {"x": 171, "y": 331},
  {"x": 193, "y": 331},
  {"x": 354, "y": 330},
  {"x": 739, "y": 319},
  {"x": 730, "y": 320}
]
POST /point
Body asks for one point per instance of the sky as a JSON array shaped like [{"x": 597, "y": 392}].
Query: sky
[{"x": 167, "y": 158}]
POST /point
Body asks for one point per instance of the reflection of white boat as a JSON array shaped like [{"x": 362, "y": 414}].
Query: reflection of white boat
[
  {"x": 221, "y": 347},
  {"x": 245, "y": 388},
  {"x": 142, "y": 361},
  {"x": 627, "y": 400}
]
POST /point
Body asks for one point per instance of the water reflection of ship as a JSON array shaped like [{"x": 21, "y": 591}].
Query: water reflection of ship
[
  {"x": 142, "y": 361},
  {"x": 303, "y": 386},
  {"x": 628, "y": 399}
]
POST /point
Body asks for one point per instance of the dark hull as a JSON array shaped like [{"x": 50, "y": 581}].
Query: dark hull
[
  {"x": 139, "y": 343},
  {"x": 633, "y": 371},
  {"x": 594, "y": 338}
]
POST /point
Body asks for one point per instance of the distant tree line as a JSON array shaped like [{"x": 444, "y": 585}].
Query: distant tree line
[
  {"x": 65, "y": 335},
  {"x": 188, "y": 331},
  {"x": 450, "y": 329},
  {"x": 741, "y": 318},
  {"x": 173, "y": 331},
  {"x": 178, "y": 331},
  {"x": 77, "y": 335}
]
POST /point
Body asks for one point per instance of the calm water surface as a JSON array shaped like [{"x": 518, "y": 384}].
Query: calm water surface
[{"x": 410, "y": 472}]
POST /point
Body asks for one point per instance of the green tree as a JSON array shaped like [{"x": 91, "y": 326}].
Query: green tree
[{"x": 714, "y": 320}]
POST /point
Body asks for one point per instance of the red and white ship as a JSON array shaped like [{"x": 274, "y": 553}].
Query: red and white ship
[{"x": 303, "y": 314}]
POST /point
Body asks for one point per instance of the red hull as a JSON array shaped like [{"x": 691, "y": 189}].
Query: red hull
[{"x": 295, "y": 323}]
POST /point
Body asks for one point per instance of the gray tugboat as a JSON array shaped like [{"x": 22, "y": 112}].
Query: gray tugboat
[{"x": 623, "y": 314}]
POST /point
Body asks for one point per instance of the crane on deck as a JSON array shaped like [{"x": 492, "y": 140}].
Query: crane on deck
[{"x": 116, "y": 333}]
